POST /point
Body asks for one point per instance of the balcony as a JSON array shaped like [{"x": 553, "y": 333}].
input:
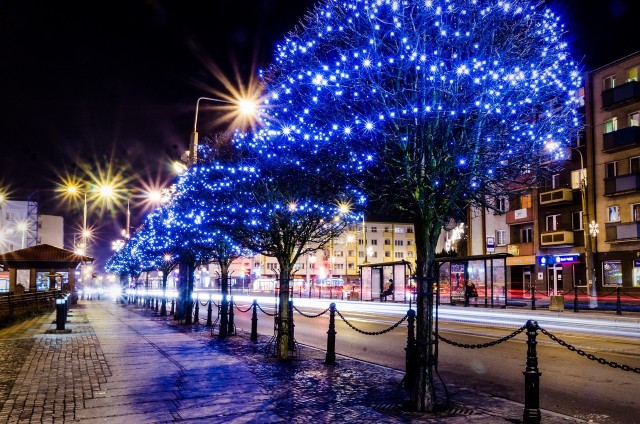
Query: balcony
[
  {"x": 621, "y": 184},
  {"x": 556, "y": 196},
  {"x": 624, "y": 138},
  {"x": 518, "y": 216},
  {"x": 557, "y": 239},
  {"x": 621, "y": 95},
  {"x": 520, "y": 249},
  {"x": 620, "y": 233}
]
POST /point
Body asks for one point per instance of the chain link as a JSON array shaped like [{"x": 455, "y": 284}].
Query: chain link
[
  {"x": 588, "y": 355},
  {"x": 265, "y": 312},
  {"x": 204, "y": 304},
  {"x": 311, "y": 316},
  {"x": 372, "y": 333},
  {"x": 481, "y": 345},
  {"x": 243, "y": 311},
  {"x": 628, "y": 294}
]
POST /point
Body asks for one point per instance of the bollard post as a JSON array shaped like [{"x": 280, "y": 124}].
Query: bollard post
[
  {"x": 292, "y": 344},
  {"x": 196, "y": 312},
  {"x": 209, "y": 312},
  {"x": 533, "y": 298},
  {"x": 330, "y": 358},
  {"x": 410, "y": 349},
  {"x": 618, "y": 303},
  {"x": 230, "y": 324},
  {"x": 254, "y": 321},
  {"x": 157, "y": 304},
  {"x": 60, "y": 312},
  {"x": 173, "y": 305},
  {"x": 575, "y": 299},
  {"x": 532, "y": 375}
]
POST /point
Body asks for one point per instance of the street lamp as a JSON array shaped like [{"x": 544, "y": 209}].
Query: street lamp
[
  {"x": 244, "y": 107},
  {"x": 588, "y": 234},
  {"x": 104, "y": 191}
]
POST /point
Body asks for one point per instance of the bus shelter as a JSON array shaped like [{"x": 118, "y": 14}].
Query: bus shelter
[
  {"x": 376, "y": 278},
  {"x": 487, "y": 272}
]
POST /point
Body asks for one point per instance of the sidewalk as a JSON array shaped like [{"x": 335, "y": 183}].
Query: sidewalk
[{"x": 124, "y": 365}]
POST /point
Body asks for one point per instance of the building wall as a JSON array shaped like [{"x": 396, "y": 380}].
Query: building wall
[
  {"x": 51, "y": 230},
  {"x": 12, "y": 214}
]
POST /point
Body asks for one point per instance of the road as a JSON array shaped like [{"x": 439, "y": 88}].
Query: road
[{"x": 570, "y": 384}]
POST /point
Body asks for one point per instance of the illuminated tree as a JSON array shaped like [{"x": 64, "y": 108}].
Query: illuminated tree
[{"x": 444, "y": 103}]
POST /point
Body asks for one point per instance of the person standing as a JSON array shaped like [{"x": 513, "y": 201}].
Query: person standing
[{"x": 469, "y": 291}]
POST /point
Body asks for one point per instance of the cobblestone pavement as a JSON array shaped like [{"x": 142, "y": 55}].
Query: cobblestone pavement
[{"x": 120, "y": 364}]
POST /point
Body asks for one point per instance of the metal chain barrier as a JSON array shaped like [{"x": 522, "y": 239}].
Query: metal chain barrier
[
  {"x": 311, "y": 316},
  {"x": 481, "y": 345},
  {"x": 241, "y": 310},
  {"x": 629, "y": 294},
  {"x": 372, "y": 333},
  {"x": 609, "y": 294},
  {"x": 542, "y": 293},
  {"x": 588, "y": 355},
  {"x": 204, "y": 303},
  {"x": 265, "y": 312}
]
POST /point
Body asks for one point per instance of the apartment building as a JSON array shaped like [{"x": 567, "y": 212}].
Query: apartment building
[{"x": 613, "y": 123}]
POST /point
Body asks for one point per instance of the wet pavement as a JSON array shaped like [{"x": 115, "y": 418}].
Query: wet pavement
[{"x": 122, "y": 364}]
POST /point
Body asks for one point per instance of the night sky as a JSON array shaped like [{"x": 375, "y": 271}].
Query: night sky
[{"x": 87, "y": 82}]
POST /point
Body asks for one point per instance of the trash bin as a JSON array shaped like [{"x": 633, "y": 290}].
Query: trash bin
[
  {"x": 556, "y": 303},
  {"x": 61, "y": 312}
]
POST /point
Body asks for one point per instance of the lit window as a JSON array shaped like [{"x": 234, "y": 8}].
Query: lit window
[
  {"x": 575, "y": 178},
  {"x": 610, "y": 125},
  {"x": 525, "y": 201},
  {"x": 552, "y": 222},
  {"x": 614, "y": 213},
  {"x": 635, "y": 211},
  {"x": 634, "y": 119},
  {"x": 500, "y": 237},
  {"x": 632, "y": 74},
  {"x": 611, "y": 273},
  {"x": 609, "y": 82}
]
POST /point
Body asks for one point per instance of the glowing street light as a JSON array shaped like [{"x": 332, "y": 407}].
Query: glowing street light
[
  {"x": 244, "y": 107},
  {"x": 104, "y": 191}
]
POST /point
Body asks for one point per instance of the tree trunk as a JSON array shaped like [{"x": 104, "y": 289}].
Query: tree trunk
[
  {"x": 163, "y": 307},
  {"x": 283, "y": 338},
  {"x": 188, "y": 318},
  {"x": 224, "y": 302},
  {"x": 422, "y": 396}
]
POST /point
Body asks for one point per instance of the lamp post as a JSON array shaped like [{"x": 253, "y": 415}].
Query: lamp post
[
  {"x": 588, "y": 251},
  {"x": 245, "y": 107}
]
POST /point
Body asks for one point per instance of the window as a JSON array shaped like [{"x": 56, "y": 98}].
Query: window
[
  {"x": 632, "y": 74},
  {"x": 399, "y": 255},
  {"x": 360, "y": 242},
  {"x": 409, "y": 230},
  {"x": 409, "y": 254},
  {"x": 501, "y": 204},
  {"x": 361, "y": 253},
  {"x": 636, "y": 275},
  {"x": 552, "y": 222},
  {"x": 555, "y": 181},
  {"x": 409, "y": 243},
  {"x": 339, "y": 254},
  {"x": 351, "y": 253},
  {"x": 10, "y": 216},
  {"x": 611, "y": 169},
  {"x": 611, "y": 125},
  {"x": 575, "y": 178},
  {"x": 634, "y": 119},
  {"x": 374, "y": 254},
  {"x": 374, "y": 229},
  {"x": 609, "y": 82},
  {"x": 374, "y": 242},
  {"x": 500, "y": 237},
  {"x": 526, "y": 235},
  {"x": 351, "y": 265},
  {"x": 399, "y": 242},
  {"x": 338, "y": 266},
  {"x": 634, "y": 165},
  {"x": 614, "y": 214},
  {"x": 387, "y": 229},
  {"x": 611, "y": 273},
  {"x": 576, "y": 220},
  {"x": 399, "y": 230},
  {"x": 272, "y": 266},
  {"x": 387, "y": 254},
  {"x": 387, "y": 242},
  {"x": 525, "y": 201},
  {"x": 635, "y": 211}
]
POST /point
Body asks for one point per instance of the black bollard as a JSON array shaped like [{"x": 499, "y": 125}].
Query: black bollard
[
  {"x": 254, "y": 321},
  {"x": 575, "y": 299},
  {"x": 230, "y": 324},
  {"x": 410, "y": 349},
  {"x": 61, "y": 313},
  {"x": 618, "y": 303},
  {"x": 209, "y": 312},
  {"x": 533, "y": 299},
  {"x": 173, "y": 306},
  {"x": 196, "y": 312},
  {"x": 531, "y": 413},
  {"x": 330, "y": 358}
]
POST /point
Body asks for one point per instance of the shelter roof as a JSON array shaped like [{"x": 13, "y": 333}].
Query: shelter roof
[{"x": 42, "y": 256}]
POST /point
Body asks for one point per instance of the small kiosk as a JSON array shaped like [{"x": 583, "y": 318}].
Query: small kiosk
[{"x": 375, "y": 279}]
